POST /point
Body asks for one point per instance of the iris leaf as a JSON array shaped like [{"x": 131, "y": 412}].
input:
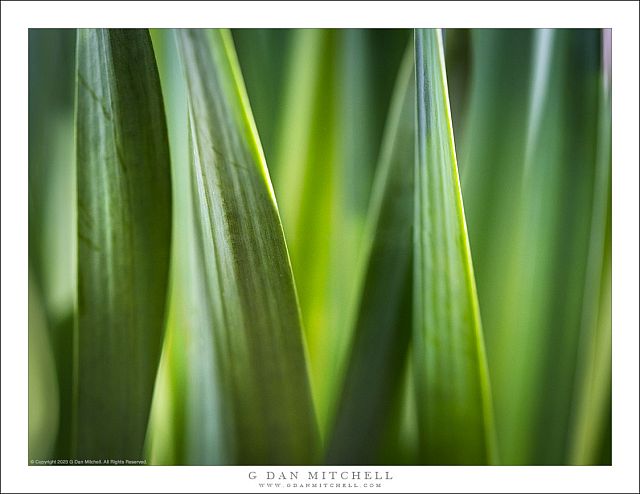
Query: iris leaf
[
  {"x": 452, "y": 385},
  {"x": 264, "y": 396},
  {"x": 124, "y": 233}
]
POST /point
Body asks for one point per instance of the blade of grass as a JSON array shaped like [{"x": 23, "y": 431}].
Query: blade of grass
[
  {"x": 124, "y": 233},
  {"x": 383, "y": 321},
  {"x": 254, "y": 314},
  {"x": 452, "y": 384}
]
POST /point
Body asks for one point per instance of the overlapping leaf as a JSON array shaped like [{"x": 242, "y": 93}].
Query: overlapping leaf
[{"x": 264, "y": 396}]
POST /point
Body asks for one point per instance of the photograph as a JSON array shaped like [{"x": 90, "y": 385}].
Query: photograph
[{"x": 319, "y": 247}]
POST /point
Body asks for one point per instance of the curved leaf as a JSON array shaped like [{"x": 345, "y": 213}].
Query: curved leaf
[
  {"x": 259, "y": 355},
  {"x": 124, "y": 232},
  {"x": 184, "y": 427}
]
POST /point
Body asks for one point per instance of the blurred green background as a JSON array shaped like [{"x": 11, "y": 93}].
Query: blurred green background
[{"x": 532, "y": 123}]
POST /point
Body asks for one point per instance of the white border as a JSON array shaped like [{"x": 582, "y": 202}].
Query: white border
[{"x": 18, "y": 17}]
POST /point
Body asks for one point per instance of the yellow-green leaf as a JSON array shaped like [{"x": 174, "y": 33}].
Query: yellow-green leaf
[{"x": 452, "y": 384}]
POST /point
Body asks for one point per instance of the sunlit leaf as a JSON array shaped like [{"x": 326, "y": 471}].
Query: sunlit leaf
[
  {"x": 185, "y": 426},
  {"x": 452, "y": 385},
  {"x": 167, "y": 434}
]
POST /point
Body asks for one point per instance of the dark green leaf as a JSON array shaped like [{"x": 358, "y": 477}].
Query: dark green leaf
[{"x": 124, "y": 233}]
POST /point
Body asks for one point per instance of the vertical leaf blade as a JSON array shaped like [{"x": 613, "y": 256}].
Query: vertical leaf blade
[
  {"x": 124, "y": 232},
  {"x": 185, "y": 426},
  {"x": 452, "y": 385},
  {"x": 252, "y": 301}
]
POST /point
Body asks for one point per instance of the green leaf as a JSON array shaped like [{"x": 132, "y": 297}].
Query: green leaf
[
  {"x": 169, "y": 432},
  {"x": 264, "y": 396},
  {"x": 124, "y": 233},
  {"x": 185, "y": 427},
  {"x": 452, "y": 384},
  {"x": 383, "y": 321}
]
